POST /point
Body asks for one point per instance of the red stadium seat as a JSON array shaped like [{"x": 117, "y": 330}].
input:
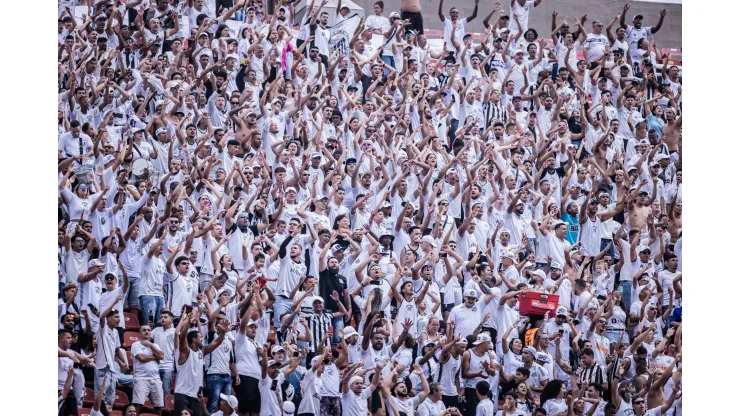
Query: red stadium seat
[
  {"x": 129, "y": 338},
  {"x": 132, "y": 322},
  {"x": 169, "y": 403},
  {"x": 121, "y": 400},
  {"x": 89, "y": 397},
  {"x": 148, "y": 406},
  {"x": 116, "y": 413}
]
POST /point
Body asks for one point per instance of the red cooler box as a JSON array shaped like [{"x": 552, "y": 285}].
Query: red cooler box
[{"x": 536, "y": 303}]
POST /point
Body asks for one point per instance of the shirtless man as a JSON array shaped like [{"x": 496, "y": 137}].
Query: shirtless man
[
  {"x": 675, "y": 221},
  {"x": 672, "y": 129},
  {"x": 411, "y": 11},
  {"x": 637, "y": 209}
]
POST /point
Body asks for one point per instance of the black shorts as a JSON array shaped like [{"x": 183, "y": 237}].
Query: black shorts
[
  {"x": 448, "y": 308},
  {"x": 248, "y": 394},
  {"x": 450, "y": 401},
  {"x": 183, "y": 401},
  {"x": 416, "y": 19}
]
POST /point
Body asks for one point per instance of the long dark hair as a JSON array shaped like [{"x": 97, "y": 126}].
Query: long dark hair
[{"x": 551, "y": 391}]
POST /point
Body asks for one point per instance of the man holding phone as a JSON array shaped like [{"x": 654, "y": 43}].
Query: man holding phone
[{"x": 91, "y": 287}]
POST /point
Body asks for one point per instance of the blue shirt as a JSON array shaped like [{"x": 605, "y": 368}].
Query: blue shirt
[{"x": 573, "y": 227}]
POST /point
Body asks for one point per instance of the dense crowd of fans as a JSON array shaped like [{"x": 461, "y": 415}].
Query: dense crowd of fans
[{"x": 262, "y": 214}]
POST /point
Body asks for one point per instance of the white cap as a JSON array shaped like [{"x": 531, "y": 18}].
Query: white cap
[
  {"x": 276, "y": 348},
  {"x": 355, "y": 379},
  {"x": 482, "y": 337},
  {"x": 539, "y": 273},
  {"x": 251, "y": 322},
  {"x": 556, "y": 265},
  {"x": 561, "y": 311},
  {"x": 509, "y": 255},
  {"x": 349, "y": 331},
  {"x": 290, "y": 189},
  {"x": 232, "y": 56},
  {"x": 232, "y": 401},
  {"x": 429, "y": 239},
  {"x": 288, "y": 408},
  {"x": 95, "y": 263},
  {"x": 471, "y": 293}
]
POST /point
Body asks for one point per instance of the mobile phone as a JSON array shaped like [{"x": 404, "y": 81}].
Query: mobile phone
[
  {"x": 296, "y": 353},
  {"x": 375, "y": 282},
  {"x": 381, "y": 314},
  {"x": 331, "y": 329},
  {"x": 561, "y": 331},
  {"x": 443, "y": 255},
  {"x": 90, "y": 305}
]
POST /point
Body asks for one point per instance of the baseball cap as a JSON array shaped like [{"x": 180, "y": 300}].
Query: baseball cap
[
  {"x": 509, "y": 255},
  {"x": 471, "y": 293},
  {"x": 429, "y": 239},
  {"x": 271, "y": 363},
  {"x": 276, "y": 348},
  {"x": 539, "y": 273},
  {"x": 250, "y": 323},
  {"x": 561, "y": 311},
  {"x": 482, "y": 337},
  {"x": 232, "y": 401},
  {"x": 288, "y": 408},
  {"x": 540, "y": 356},
  {"x": 95, "y": 263},
  {"x": 556, "y": 265},
  {"x": 530, "y": 350},
  {"x": 290, "y": 189}
]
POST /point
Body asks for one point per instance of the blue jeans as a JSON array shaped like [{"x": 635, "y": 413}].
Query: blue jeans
[
  {"x": 281, "y": 305},
  {"x": 390, "y": 61},
  {"x": 626, "y": 293},
  {"x": 604, "y": 242},
  {"x": 338, "y": 324},
  {"x": 110, "y": 387},
  {"x": 151, "y": 307},
  {"x": 166, "y": 376},
  {"x": 217, "y": 384},
  {"x": 133, "y": 292}
]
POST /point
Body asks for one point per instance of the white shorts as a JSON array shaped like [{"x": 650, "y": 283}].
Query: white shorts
[{"x": 151, "y": 388}]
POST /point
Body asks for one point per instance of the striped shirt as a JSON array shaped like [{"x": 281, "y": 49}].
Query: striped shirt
[
  {"x": 494, "y": 111},
  {"x": 594, "y": 374},
  {"x": 318, "y": 324}
]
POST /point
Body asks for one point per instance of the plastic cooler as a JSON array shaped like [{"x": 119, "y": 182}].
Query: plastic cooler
[{"x": 535, "y": 303}]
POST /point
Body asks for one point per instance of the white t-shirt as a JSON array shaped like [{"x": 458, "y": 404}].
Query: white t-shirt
[
  {"x": 459, "y": 31},
  {"x": 310, "y": 403},
  {"x": 165, "y": 340},
  {"x": 595, "y": 45},
  {"x": 144, "y": 371},
  {"x": 152, "y": 277},
  {"x": 355, "y": 404},
  {"x": 430, "y": 408}
]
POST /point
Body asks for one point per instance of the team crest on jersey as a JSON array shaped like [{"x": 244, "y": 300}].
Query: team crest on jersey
[
  {"x": 409, "y": 307},
  {"x": 474, "y": 309}
]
